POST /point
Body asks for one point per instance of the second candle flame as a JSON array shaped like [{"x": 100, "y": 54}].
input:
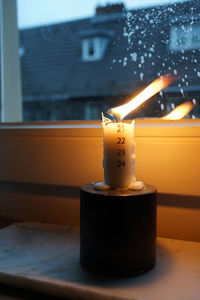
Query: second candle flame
[
  {"x": 180, "y": 111},
  {"x": 121, "y": 111}
]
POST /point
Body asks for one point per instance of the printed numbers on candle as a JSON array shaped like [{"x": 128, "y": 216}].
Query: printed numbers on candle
[
  {"x": 121, "y": 163},
  {"x": 121, "y": 140},
  {"x": 120, "y": 128},
  {"x": 121, "y": 152}
]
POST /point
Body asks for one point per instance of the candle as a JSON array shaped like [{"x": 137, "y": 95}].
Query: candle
[{"x": 119, "y": 157}]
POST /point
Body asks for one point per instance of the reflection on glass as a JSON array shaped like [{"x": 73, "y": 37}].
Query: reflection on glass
[{"x": 75, "y": 68}]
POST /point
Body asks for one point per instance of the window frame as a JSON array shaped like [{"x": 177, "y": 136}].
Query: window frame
[
  {"x": 10, "y": 64},
  {"x": 99, "y": 46}
]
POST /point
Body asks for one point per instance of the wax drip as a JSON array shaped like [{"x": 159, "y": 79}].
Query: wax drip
[
  {"x": 137, "y": 186},
  {"x": 100, "y": 186}
]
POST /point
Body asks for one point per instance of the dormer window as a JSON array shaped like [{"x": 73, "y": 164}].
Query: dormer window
[
  {"x": 185, "y": 37},
  {"x": 94, "y": 44},
  {"x": 93, "y": 48}
]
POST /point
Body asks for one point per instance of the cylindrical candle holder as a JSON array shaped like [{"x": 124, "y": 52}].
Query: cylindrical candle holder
[{"x": 118, "y": 231}]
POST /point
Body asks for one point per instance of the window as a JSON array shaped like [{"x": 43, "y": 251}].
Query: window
[
  {"x": 66, "y": 63},
  {"x": 195, "y": 36},
  {"x": 93, "y": 49},
  {"x": 11, "y": 92},
  {"x": 185, "y": 37}
]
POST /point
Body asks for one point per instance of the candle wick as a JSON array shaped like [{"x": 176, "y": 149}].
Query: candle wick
[{"x": 114, "y": 116}]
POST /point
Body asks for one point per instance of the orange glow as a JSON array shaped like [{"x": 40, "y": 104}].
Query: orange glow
[
  {"x": 180, "y": 111},
  {"x": 121, "y": 111}
]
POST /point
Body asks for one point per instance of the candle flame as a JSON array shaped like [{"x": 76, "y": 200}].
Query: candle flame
[
  {"x": 180, "y": 111},
  {"x": 160, "y": 83}
]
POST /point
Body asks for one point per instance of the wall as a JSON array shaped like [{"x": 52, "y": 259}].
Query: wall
[{"x": 43, "y": 166}]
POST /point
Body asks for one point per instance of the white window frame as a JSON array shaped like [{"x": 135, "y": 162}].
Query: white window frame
[
  {"x": 71, "y": 153},
  {"x": 11, "y": 98},
  {"x": 99, "y": 45}
]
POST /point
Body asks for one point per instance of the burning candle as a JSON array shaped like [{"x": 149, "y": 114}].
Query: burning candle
[
  {"x": 119, "y": 157},
  {"x": 135, "y": 210}
]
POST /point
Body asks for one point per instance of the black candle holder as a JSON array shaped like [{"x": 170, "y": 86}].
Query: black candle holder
[{"x": 118, "y": 231}]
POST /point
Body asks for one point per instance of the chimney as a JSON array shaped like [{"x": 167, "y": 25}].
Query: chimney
[{"x": 110, "y": 9}]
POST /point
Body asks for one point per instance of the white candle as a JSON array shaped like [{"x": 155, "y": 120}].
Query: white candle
[{"x": 119, "y": 157}]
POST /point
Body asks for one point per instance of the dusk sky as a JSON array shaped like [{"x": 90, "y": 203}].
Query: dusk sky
[{"x": 38, "y": 12}]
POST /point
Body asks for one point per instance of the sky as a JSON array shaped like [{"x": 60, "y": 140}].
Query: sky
[{"x": 39, "y": 12}]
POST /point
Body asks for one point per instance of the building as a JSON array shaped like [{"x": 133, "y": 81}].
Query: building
[{"x": 75, "y": 70}]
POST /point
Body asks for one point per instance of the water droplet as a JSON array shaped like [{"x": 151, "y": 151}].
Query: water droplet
[
  {"x": 182, "y": 92},
  {"x": 142, "y": 59},
  {"x": 134, "y": 56},
  {"x": 194, "y": 101},
  {"x": 129, "y": 15}
]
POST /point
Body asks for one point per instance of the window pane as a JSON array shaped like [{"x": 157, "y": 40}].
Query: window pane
[
  {"x": 195, "y": 35},
  {"x": 78, "y": 60}
]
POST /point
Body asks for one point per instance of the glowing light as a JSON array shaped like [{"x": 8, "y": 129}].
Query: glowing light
[
  {"x": 180, "y": 111},
  {"x": 121, "y": 111}
]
